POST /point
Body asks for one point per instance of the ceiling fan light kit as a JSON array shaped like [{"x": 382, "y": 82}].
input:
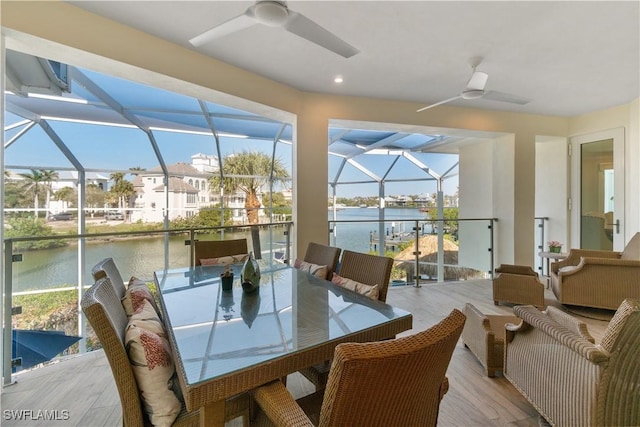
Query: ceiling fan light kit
[
  {"x": 472, "y": 94},
  {"x": 271, "y": 13}
]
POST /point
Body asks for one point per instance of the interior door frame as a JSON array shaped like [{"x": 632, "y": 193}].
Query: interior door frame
[{"x": 618, "y": 136}]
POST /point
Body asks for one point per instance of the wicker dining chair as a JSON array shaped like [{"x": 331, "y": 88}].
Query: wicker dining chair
[
  {"x": 364, "y": 268},
  {"x": 107, "y": 268},
  {"x": 367, "y": 269},
  {"x": 105, "y": 313},
  {"x": 323, "y": 255},
  {"x": 218, "y": 248},
  {"x": 398, "y": 382}
]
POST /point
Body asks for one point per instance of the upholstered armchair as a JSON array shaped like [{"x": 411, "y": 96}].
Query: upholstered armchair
[
  {"x": 552, "y": 360},
  {"x": 517, "y": 284},
  {"x": 599, "y": 279}
]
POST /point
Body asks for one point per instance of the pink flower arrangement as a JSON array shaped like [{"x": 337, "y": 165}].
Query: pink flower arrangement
[{"x": 554, "y": 244}]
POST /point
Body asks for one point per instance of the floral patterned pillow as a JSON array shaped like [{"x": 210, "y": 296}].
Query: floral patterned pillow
[
  {"x": 224, "y": 260},
  {"x": 320, "y": 271},
  {"x": 152, "y": 363},
  {"x": 134, "y": 297},
  {"x": 366, "y": 290},
  {"x": 147, "y": 318}
]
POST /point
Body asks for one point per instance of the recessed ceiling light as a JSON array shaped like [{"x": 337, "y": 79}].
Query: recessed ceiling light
[{"x": 338, "y": 79}]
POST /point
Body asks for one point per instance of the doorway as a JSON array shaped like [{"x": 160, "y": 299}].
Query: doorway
[{"x": 598, "y": 190}]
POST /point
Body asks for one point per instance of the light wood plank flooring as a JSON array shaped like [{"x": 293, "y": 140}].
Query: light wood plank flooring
[{"x": 83, "y": 385}]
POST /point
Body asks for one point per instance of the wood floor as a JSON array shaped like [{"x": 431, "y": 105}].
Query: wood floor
[{"x": 83, "y": 385}]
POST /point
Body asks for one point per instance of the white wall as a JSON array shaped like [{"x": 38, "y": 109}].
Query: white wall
[{"x": 551, "y": 196}]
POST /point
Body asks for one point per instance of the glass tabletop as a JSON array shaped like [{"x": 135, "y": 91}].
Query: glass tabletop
[{"x": 219, "y": 332}]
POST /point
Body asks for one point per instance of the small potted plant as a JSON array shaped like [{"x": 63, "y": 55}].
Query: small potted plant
[
  {"x": 555, "y": 246},
  {"x": 226, "y": 278}
]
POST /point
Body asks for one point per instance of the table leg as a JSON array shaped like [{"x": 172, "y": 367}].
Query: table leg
[{"x": 212, "y": 415}]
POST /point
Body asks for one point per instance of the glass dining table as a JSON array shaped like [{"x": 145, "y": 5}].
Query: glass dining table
[{"x": 229, "y": 342}]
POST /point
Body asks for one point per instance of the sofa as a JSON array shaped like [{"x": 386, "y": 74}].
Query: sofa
[{"x": 596, "y": 278}]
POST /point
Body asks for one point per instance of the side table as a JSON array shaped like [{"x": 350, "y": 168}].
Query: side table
[{"x": 548, "y": 256}]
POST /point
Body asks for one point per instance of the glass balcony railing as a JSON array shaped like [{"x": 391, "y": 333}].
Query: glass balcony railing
[
  {"x": 46, "y": 276},
  {"x": 424, "y": 250}
]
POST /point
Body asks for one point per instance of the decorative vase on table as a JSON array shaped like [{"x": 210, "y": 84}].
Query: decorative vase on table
[
  {"x": 555, "y": 249},
  {"x": 250, "y": 275}
]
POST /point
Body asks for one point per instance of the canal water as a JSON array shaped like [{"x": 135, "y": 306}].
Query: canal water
[{"x": 140, "y": 257}]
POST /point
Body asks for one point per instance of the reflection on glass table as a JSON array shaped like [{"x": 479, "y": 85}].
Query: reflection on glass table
[{"x": 230, "y": 342}]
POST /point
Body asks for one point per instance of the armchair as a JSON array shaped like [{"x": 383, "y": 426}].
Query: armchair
[
  {"x": 517, "y": 284},
  {"x": 552, "y": 360},
  {"x": 599, "y": 279}
]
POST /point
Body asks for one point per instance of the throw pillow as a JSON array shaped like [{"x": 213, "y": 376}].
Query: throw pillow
[
  {"x": 224, "y": 260},
  {"x": 147, "y": 318},
  {"x": 134, "y": 297},
  {"x": 320, "y": 271},
  {"x": 152, "y": 364},
  {"x": 366, "y": 290}
]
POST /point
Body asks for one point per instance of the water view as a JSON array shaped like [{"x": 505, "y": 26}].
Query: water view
[{"x": 140, "y": 257}]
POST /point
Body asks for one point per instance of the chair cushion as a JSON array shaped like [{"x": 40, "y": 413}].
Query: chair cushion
[
  {"x": 224, "y": 260},
  {"x": 135, "y": 295},
  {"x": 371, "y": 291},
  {"x": 153, "y": 368},
  {"x": 320, "y": 271}
]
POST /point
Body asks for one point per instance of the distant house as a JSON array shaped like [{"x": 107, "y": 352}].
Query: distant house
[
  {"x": 188, "y": 192},
  {"x": 424, "y": 200},
  {"x": 67, "y": 179},
  {"x": 403, "y": 200}
]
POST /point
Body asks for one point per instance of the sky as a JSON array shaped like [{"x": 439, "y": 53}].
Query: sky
[{"x": 117, "y": 148}]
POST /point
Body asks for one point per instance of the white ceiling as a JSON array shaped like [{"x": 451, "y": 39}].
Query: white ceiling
[{"x": 569, "y": 57}]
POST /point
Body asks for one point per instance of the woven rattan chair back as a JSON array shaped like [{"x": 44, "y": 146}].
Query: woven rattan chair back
[
  {"x": 218, "y": 248},
  {"x": 368, "y": 269},
  {"x": 107, "y": 268},
  {"x": 405, "y": 375},
  {"x": 106, "y": 315},
  {"x": 323, "y": 255}
]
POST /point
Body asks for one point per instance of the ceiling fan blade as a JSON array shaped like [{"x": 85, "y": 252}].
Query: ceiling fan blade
[
  {"x": 232, "y": 25},
  {"x": 439, "y": 103},
  {"x": 477, "y": 81},
  {"x": 494, "y": 95},
  {"x": 304, "y": 27}
]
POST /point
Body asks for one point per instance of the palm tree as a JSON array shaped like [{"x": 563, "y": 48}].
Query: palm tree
[
  {"x": 122, "y": 189},
  {"x": 33, "y": 181},
  {"x": 249, "y": 172},
  {"x": 48, "y": 176}
]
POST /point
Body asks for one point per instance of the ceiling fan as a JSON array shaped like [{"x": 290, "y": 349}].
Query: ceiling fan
[
  {"x": 475, "y": 89},
  {"x": 275, "y": 13}
]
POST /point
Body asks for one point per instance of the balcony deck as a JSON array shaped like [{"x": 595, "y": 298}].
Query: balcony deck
[{"x": 84, "y": 387}]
